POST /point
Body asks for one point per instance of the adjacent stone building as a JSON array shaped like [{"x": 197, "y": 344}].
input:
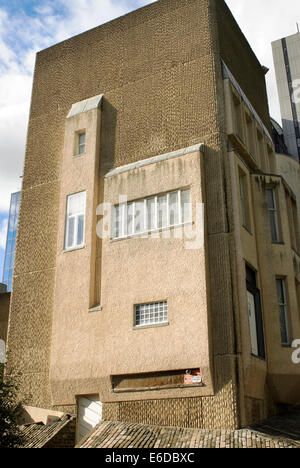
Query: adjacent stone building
[
  {"x": 4, "y": 311},
  {"x": 167, "y": 108}
]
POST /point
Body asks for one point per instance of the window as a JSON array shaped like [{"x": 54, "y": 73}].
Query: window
[
  {"x": 151, "y": 314},
  {"x": 250, "y": 135},
  {"x": 295, "y": 225},
  {"x": 238, "y": 117},
  {"x": 283, "y": 311},
  {"x": 297, "y": 287},
  {"x": 262, "y": 151},
  {"x": 150, "y": 214},
  {"x": 255, "y": 315},
  {"x": 75, "y": 221},
  {"x": 245, "y": 211},
  {"x": 273, "y": 215},
  {"x": 81, "y": 143}
]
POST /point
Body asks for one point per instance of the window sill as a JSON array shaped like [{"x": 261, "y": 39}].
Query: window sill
[
  {"x": 247, "y": 229},
  {"x": 147, "y": 234},
  {"x": 153, "y": 325},
  {"x": 75, "y": 156},
  {"x": 264, "y": 359},
  {"x": 277, "y": 243},
  {"x": 97, "y": 308},
  {"x": 161, "y": 387},
  {"x": 73, "y": 249}
]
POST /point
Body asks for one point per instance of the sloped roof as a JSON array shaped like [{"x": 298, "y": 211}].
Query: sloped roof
[
  {"x": 37, "y": 435},
  {"x": 278, "y": 432}
]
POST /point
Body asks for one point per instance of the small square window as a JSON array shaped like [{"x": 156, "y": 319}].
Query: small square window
[
  {"x": 151, "y": 314},
  {"x": 80, "y": 143}
]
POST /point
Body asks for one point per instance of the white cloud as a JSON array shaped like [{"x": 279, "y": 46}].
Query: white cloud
[
  {"x": 51, "y": 23},
  {"x": 3, "y": 233},
  {"x": 21, "y": 36},
  {"x": 262, "y": 22}
]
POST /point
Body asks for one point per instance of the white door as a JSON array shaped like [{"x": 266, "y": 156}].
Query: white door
[
  {"x": 89, "y": 414},
  {"x": 252, "y": 323}
]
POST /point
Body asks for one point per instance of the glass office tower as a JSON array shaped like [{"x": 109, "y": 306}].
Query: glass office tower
[
  {"x": 286, "y": 53},
  {"x": 11, "y": 240}
]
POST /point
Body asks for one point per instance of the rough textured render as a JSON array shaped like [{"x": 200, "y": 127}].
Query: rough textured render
[{"x": 145, "y": 88}]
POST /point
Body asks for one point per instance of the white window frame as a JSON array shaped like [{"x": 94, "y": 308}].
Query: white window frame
[
  {"x": 151, "y": 314},
  {"x": 76, "y": 217},
  {"x": 122, "y": 221}
]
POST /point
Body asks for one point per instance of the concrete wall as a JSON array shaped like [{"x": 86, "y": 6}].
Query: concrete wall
[{"x": 133, "y": 271}]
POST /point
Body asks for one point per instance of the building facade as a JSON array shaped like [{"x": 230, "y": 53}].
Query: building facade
[
  {"x": 10, "y": 248},
  {"x": 286, "y": 54},
  {"x": 178, "y": 314},
  {"x": 4, "y": 312}
]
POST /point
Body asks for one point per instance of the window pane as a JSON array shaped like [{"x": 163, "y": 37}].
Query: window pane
[
  {"x": 174, "y": 208},
  {"x": 13, "y": 245},
  {"x": 273, "y": 215},
  {"x": 271, "y": 199},
  {"x": 76, "y": 204},
  {"x": 116, "y": 229},
  {"x": 71, "y": 232},
  {"x": 280, "y": 291},
  {"x": 139, "y": 217},
  {"x": 186, "y": 206},
  {"x": 283, "y": 317},
  {"x": 162, "y": 211},
  {"x": 243, "y": 199},
  {"x": 273, "y": 225},
  {"x": 80, "y": 230},
  {"x": 283, "y": 325},
  {"x": 8, "y": 246},
  {"x": 151, "y": 218},
  {"x": 7, "y": 261},
  {"x": 130, "y": 219},
  {"x": 81, "y": 143}
]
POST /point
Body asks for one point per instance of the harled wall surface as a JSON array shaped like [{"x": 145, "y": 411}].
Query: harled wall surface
[{"x": 160, "y": 72}]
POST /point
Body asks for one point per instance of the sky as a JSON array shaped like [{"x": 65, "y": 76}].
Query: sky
[{"x": 27, "y": 26}]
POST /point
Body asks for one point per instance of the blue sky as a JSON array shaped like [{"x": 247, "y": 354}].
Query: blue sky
[{"x": 27, "y": 26}]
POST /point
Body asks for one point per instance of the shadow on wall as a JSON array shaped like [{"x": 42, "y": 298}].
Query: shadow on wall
[{"x": 107, "y": 137}]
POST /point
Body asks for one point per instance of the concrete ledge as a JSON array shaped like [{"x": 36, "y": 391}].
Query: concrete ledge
[
  {"x": 85, "y": 106},
  {"x": 155, "y": 159}
]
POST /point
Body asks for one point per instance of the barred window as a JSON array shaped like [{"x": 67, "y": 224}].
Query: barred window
[{"x": 151, "y": 314}]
